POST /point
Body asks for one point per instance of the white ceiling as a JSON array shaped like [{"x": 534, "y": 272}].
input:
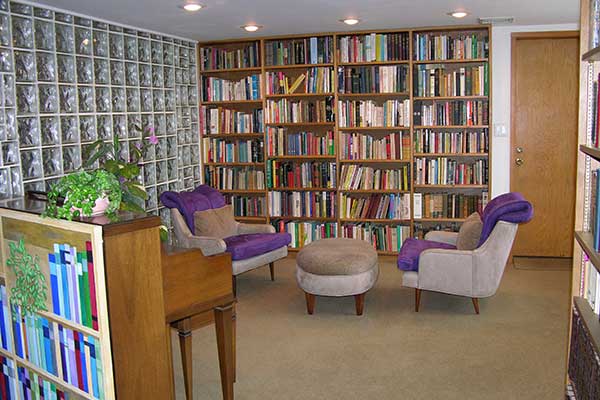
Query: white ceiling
[{"x": 221, "y": 19}]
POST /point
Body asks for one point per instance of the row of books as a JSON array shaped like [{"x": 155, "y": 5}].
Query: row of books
[
  {"x": 358, "y": 177},
  {"x": 222, "y": 150},
  {"x": 303, "y": 233},
  {"x": 356, "y": 146},
  {"x": 5, "y": 319},
  {"x": 382, "y": 237},
  {"x": 420, "y": 229},
  {"x": 234, "y": 178},
  {"x": 247, "y": 206},
  {"x": 224, "y": 120},
  {"x": 302, "y": 204},
  {"x": 448, "y": 205},
  {"x": 217, "y": 89},
  {"x": 72, "y": 284},
  {"x": 374, "y": 47},
  {"x": 68, "y": 354},
  {"x": 280, "y": 143},
  {"x": 592, "y": 286},
  {"x": 8, "y": 379},
  {"x": 595, "y": 209},
  {"x": 294, "y": 111},
  {"x": 595, "y": 114},
  {"x": 445, "y": 171},
  {"x": 311, "y": 174},
  {"x": 458, "y": 112},
  {"x": 314, "y": 80},
  {"x": 434, "y": 141},
  {"x": 373, "y": 79},
  {"x": 457, "y": 46},
  {"x": 369, "y": 113},
  {"x": 378, "y": 206},
  {"x": 247, "y": 56},
  {"x": 435, "y": 80},
  {"x": 314, "y": 50}
]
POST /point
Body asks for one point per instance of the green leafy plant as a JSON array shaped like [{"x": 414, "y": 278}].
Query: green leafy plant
[
  {"x": 127, "y": 172},
  {"x": 30, "y": 290},
  {"x": 75, "y": 194}
]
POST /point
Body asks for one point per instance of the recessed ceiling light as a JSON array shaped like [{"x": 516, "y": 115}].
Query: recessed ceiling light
[
  {"x": 350, "y": 21},
  {"x": 192, "y": 7},
  {"x": 251, "y": 27},
  {"x": 458, "y": 14}
]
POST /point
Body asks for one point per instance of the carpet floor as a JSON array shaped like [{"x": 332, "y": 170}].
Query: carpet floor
[{"x": 515, "y": 349}]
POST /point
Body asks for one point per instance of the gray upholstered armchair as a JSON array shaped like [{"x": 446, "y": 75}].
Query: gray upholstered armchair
[
  {"x": 446, "y": 262},
  {"x": 245, "y": 235},
  {"x": 471, "y": 273}
]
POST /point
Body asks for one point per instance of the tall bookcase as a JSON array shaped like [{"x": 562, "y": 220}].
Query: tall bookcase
[
  {"x": 355, "y": 133},
  {"x": 583, "y": 376}
]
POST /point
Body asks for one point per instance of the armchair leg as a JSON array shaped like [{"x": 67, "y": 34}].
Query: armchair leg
[
  {"x": 476, "y": 304},
  {"x": 417, "y": 299},
  {"x": 272, "y": 269},
  {"x": 359, "y": 300},
  {"x": 234, "y": 284}
]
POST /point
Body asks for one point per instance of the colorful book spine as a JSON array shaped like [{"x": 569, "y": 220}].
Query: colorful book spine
[
  {"x": 35, "y": 340},
  {"x": 72, "y": 284},
  {"x": 297, "y": 111},
  {"x": 302, "y": 204},
  {"x": 31, "y": 386},
  {"x": 370, "y": 113},
  {"x": 8, "y": 379},
  {"x": 382, "y": 237},
  {"x": 247, "y": 56},
  {"x": 234, "y": 178},
  {"x": 282, "y": 143},
  {"x": 303, "y": 233},
  {"x": 247, "y": 206},
  {"x": 5, "y": 319}
]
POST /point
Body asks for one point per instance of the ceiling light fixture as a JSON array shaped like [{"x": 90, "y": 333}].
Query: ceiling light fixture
[
  {"x": 350, "y": 21},
  {"x": 192, "y": 7},
  {"x": 458, "y": 14},
  {"x": 251, "y": 27}
]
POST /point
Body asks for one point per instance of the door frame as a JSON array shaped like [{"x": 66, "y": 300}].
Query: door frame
[{"x": 515, "y": 36}]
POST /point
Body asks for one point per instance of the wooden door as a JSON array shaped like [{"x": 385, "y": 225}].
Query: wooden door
[{"x": 544, "y": 108}]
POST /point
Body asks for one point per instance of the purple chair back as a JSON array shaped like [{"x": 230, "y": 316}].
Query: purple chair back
[
  {"x": 202, "y": 198},
  {"x": 509, "y": 207}
]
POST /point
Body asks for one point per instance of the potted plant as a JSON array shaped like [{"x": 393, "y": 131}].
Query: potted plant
[
  {"x": 84, "y": 193},
  {"x": 115, "y": 185}
]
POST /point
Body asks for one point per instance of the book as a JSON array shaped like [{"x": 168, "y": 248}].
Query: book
[
  {"x": 245, "y": 56},
  {"x": 370, "y": 113},
  {"x": 303, "y": 233},
  {"x": 296, "y": 83}
]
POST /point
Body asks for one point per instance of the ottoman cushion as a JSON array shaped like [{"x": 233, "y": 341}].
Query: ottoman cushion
[{"x": 337, "y": 256}]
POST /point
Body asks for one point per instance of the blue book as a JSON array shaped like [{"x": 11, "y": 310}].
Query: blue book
[
  {"x": 84, "y": 372},
  {"x": 58, "y": 267},
  {"x": 53, "y": 283},
  {"x": 17, "y": 332},
  {"x": 94, "y": 370},
  {"x": 46, "y": 327},
  {"x": 63, "y": 356},
  {"x": 314, "y": 50},
  {"x": 73, "y": 284},
  {"x": 3, "y": 326},
  {"x": 64, "y": 277},
  {"x": 72, "y": 363}
]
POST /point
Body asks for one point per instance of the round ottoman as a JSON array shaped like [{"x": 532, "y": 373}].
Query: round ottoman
[{"x": 337, "y": 267}]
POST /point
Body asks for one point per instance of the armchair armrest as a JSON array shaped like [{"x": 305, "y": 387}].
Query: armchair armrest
[
  {"x": 442, "y": 236},
  {"x": 447, "y": 271},
  {"x": 254, "y": 228}
]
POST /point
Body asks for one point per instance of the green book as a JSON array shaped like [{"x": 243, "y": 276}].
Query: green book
[{"x": 486, "y": 85}]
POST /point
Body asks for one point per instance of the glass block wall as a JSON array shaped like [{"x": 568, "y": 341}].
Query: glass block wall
[{"x": 67, "y": 81}]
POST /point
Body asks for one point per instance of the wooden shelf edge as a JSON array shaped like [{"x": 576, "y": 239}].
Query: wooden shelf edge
[
  {"x": 586, "y": 240},
  {"x": 296, "y": 66},
  {"x": 439, "y": 220},
  {"x": 301, "y": 189},
  {"x": 468, "y": 97},
  {"x": 230, "y": 70},
  {"x": 590, "y": 319},
  {"x": 375, "y": 161},
  {"x": 293, "y": 95},
  {"x": 590, "y": 151},
  {"x": 451, "y": 61},
  {"x": 591, "y": 55},
  {"x": 450, "y": 154},
  {"x": 70, "y": 324}
]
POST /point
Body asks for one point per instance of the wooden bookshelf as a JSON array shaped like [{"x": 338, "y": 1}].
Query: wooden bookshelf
[
  {"x": 586, "y": 240},
  {"x": 590, "y": 151},
  {"x": 396, "y": 58}
]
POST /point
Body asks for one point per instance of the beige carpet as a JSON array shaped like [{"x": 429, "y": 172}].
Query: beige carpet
[{"x": 514, "y": 350}]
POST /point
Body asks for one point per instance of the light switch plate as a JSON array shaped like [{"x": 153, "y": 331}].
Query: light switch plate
[{"x": 500, "y": 130}]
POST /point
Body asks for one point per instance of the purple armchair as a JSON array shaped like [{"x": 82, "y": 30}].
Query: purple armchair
[
  {"x": 250, "y": 245},
  {"x": 435, "y": 264}
]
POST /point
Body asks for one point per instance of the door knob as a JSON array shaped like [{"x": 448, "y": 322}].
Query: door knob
[
  {"x": 519, "y": 150},
  {"x": 519, "y": 162}
]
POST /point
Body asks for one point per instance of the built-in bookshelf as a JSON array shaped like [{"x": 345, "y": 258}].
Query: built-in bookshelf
[
  {"x": 584, "y": 348},
  {"x": 338, "y": 134}
]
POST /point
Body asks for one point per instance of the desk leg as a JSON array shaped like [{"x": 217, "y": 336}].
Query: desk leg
[
  {"x": 185, "y": 346},
  {"x": 234, "y": 324},
  {"x": 224, "y": 328}
]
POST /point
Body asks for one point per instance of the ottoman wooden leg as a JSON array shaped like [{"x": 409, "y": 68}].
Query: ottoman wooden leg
[
  {"x": 310, "y": 303},
  {"x": 360, "y": 303}
]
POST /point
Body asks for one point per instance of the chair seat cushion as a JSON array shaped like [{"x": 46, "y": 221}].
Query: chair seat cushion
[
  {"x": 408, "y": 258},
  {"x": 251, "y": 245}
]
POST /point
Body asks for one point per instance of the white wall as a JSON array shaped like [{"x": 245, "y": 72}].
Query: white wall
[{"x": 501, "y": 74}]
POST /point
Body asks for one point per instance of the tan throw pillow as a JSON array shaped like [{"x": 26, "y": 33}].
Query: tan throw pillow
[
  {"x": 469, "y": 233},
  {"x": 217, "y": 222}
]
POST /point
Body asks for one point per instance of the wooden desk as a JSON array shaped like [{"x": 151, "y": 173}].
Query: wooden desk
[{"x": 197, "y": 292}]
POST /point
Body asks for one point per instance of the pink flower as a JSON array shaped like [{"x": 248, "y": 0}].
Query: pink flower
[
  {"x": 139, "y": 146},
  {"x": 150, "y": 129},
  {"x": 153, "y": 139}
]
